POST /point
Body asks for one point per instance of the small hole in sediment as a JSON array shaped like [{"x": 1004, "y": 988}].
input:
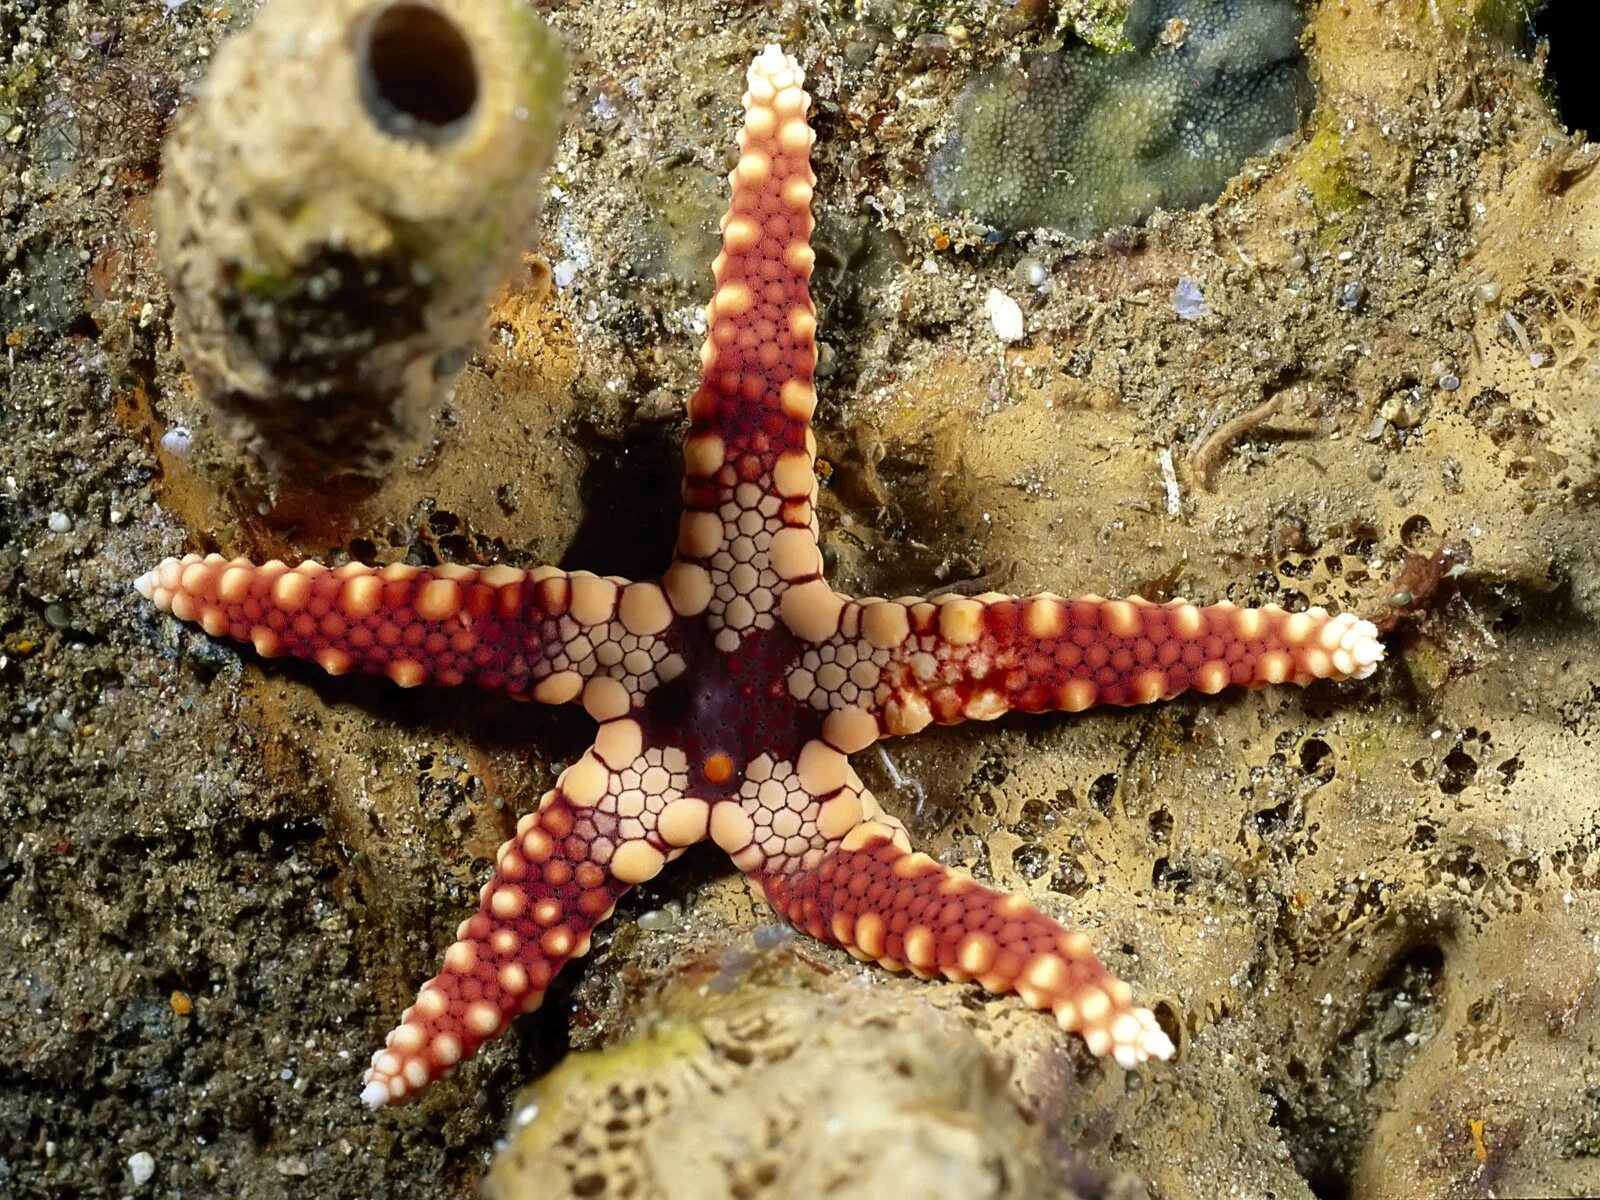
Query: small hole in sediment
[{"x": 419, "y": 78}]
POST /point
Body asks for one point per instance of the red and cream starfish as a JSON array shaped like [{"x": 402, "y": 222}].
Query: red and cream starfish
[{"x": 731, "y": 693}]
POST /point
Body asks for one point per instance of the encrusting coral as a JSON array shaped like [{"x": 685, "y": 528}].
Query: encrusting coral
[
  {"x": 353, "y": 181},
  {"x": 906, "y": 1099},
  {"x": 730, "y": 695},
  {"x": 1082, "y": 140}
]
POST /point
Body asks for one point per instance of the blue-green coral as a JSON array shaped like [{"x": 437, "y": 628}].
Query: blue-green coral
[{"x": 1082, "y": 141}]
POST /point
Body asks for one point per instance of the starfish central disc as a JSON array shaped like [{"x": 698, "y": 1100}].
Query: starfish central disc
[{"x": 730, "y": 707}]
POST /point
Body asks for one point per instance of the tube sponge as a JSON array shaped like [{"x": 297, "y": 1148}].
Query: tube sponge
[
  {"x": 354, "y": 179},
  {"x": 1081, "y": 141}
]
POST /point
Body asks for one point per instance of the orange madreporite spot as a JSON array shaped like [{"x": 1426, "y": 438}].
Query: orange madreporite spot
[{"x": 718, "y": 768}]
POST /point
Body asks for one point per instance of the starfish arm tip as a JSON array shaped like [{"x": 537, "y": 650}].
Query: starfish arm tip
[
  {"x": 145, "y": 584},
  {"x": 374, "y": 1095},
  {"x": 1355, "y": 644}
]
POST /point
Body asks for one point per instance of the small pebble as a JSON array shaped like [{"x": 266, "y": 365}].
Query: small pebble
[
  {"x": 1189, "y": 300},
  {"x": 1488, "y": 292},
  {"x": 177, "y": 440},
  {"x": 564, "y": 272},
  {"x": 770, "y": 935},
  {"x": 57, "y": 617},
  {"x": 1005, "y": 315},
  {"x": 59, "y": 522},
  {"x": 141, "y": 1166},
  {"x": 1030, "y": 272},
  {"x": 659, "y": 920},
  {"x": 1449, "y": 382},
  {"x": 1400, "y": 599},
  {"x": 1352, "y": 294}
]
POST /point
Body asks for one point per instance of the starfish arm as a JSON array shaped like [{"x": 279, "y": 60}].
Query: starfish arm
[
  {"x": 749, "y": 522},
  {"x": 907, "y": 663},
  {"x": 601, "y": 830},
  {"x": 539, "y": 633},
  {"x": 855, "y": 882}
]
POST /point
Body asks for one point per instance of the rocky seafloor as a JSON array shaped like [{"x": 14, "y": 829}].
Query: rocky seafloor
[{"x": 1366, "y": 376}]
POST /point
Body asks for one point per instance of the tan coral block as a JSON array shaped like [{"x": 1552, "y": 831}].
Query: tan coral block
[
  {"x": 794, "y": 474},
  {"x": 1120, "y": 618},
  {"x": 289, "y": 592},
  {"x": 885, "y": 624},
  {"x": 799, "y": 399},
  {"x": 731, "y": 827},
  {"x": 361, "y": 597},
  {"x": 619, "y": 743},
  {"x": 685, "y": 821},
  {"x": 812, "y": 610},
  {"x": 908, "y": 713},
  {"x": 839, "y": 815},
  {"x": 960, "y": 621},
  {"x": 585, "y": 781},
  {"x": 699, "y": 534},
  {"x": 408, "y": 674},
  {"x": 850, "y": 729},
  {"x": 688, "y": 587},
  {"x": 437, "y": 600},
  {"x": 559, "y": 688},
  {"x": 644, "y": 609},
  {"x": 1186, "y": 621},
  {"x": 605, "y": 699},
  {"x": 594, "y": 599},
  {"x": 794, "y": 553},
  {"x": 821, "y": 768},
  {"x": 1044, "y": 617},
  {"x": 234, "y": 586},
  {"x": 637, "y": 862}
]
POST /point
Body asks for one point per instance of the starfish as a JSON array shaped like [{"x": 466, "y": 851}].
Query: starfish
[{"x": 730, "y": 694}]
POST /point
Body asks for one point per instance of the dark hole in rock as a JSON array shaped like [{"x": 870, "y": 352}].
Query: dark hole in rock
[
  {"x": 1102, "y": 790},
  {"x": 1567, "y": 25},
  {"x": 1415, "y": 532},
  {"x": 1316, "y": 759},
  {"x": 419, "y": 79},
  {"x": 1460, "y": 770}
]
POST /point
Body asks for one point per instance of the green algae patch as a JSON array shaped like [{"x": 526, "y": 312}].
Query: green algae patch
[
  {"x": 1082, "y": 140},
  {"x": 1099, "y": 23},
  {"x": 1325, "y": 171}
]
